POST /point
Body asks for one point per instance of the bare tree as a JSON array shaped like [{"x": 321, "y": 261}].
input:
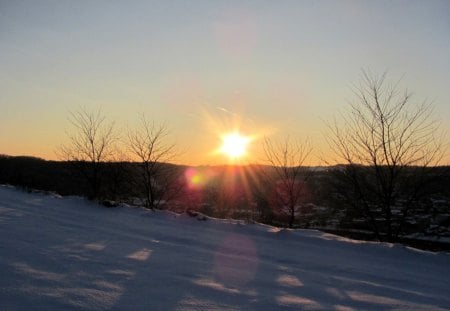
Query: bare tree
[
  {"x": 90, "y": 144},
  {"x": 158, "y": 179},
  {"x": 387, "y": 144},
  {"x": 287, "y": 176}
]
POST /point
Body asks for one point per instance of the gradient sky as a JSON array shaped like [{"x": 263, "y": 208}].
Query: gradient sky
[{"x": 274, "y": 67}]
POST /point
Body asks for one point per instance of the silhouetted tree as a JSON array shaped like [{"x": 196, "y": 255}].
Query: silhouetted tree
[
  {"x": 90, "y": 144},
  {"x": 158, "y": 180},
  {"x": 287, "y": 176},
  {"x": 388, "y": 145}
]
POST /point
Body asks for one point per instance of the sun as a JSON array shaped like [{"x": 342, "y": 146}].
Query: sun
[{"x": 234, "y": 145}]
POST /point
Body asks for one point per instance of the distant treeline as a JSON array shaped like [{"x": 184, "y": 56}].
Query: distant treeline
[
  {"x": 233, "y": 192},
  {"x": 68, "y": 177}
]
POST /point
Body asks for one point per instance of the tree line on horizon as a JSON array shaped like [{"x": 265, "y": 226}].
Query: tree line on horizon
[{"x": 389, "y": 148}]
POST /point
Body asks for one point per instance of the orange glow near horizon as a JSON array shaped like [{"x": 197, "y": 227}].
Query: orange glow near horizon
[{"x": 220, "y": 137}]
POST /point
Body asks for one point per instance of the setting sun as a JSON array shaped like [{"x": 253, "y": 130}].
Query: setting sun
[{"x": 234, "y": 145}]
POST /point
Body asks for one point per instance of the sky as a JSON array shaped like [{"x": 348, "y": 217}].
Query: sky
[{"x": 203, "y": 68}]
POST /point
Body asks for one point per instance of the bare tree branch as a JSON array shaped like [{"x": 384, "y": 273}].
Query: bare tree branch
[
  {"x": 90, "y": 143},
  {"x": 149, "y": 144},
  {"x": 382, "y": 138},
  {"x": 288, "y": 174}
]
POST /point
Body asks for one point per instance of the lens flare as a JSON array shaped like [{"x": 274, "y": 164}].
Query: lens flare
[
  {"x": 193, "y": 177},
  {"x": 196, "y": 178}
]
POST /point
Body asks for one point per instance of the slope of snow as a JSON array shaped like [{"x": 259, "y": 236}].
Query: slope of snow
[{"x": 69, "y": 254}]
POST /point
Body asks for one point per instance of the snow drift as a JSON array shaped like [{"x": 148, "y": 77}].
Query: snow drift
[{"x": 69, "y": 254}]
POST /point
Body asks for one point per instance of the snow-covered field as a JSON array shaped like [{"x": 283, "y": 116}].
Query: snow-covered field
[{"x": 69, "y": 254}]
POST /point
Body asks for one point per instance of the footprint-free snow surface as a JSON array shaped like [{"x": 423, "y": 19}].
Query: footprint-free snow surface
[{"x": 70, "y": 254}]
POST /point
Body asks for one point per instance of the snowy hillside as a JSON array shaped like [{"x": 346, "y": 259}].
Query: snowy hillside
[{"x": 69, "y": 254}]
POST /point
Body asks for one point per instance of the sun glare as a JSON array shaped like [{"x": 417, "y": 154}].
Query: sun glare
[{"x": 234, "y": 145}]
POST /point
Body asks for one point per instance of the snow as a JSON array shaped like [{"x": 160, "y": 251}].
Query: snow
[{"x": 70, "y": 254}]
